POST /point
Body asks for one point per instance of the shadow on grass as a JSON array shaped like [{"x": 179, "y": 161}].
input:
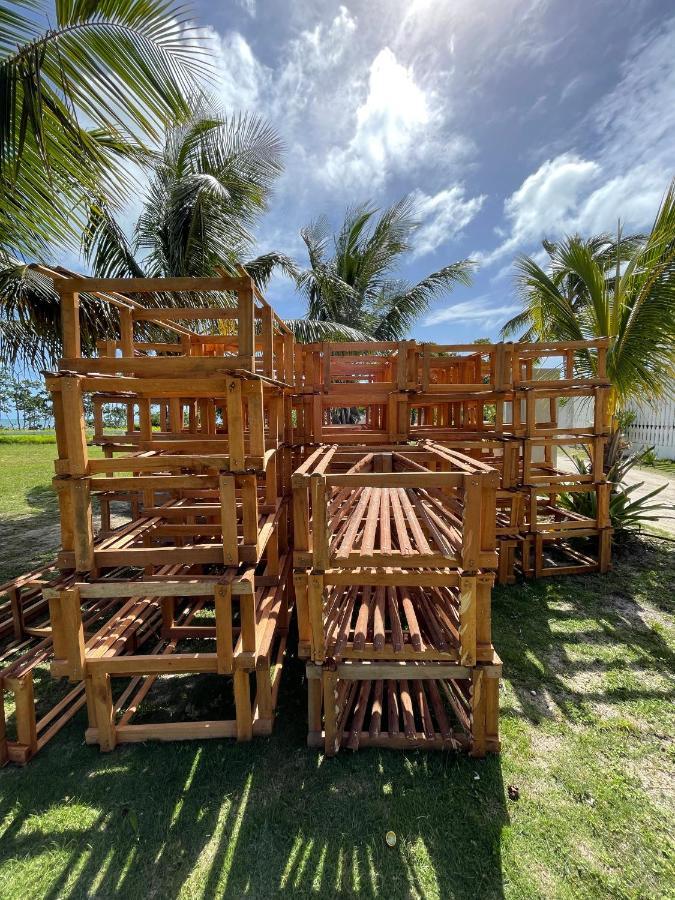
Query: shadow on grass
[
  {"x": 263, "y": 819},
  {"x": 30, "y": 540},
  {"x": 585, "y": 640}
]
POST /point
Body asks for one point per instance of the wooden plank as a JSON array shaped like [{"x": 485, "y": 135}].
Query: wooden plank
[
  {"x": 315, "y": 601},
  {"x": 332, "y": 739},
  {"x": 150, "y": 366},
  {"x": 185, "y": 314},
  {"x": 379, "y": 611},
  {"x": 151, "y": 664},
  {"x": 467, "y": 620},
  {"x": 478, "y": 705},
  {"x": 319, "y": 524},
  {"x": 372, "y": 670},
  {"x": 372, "y": 521},
  {"x": 172, "y": 731},
  {"x": 82, "y": 523},
  {"x": 376, "y": 714},
  {"x": 395, "y": 480},
  {"x": 359, "y": 715},
  {"x": 246, "y": 335},
  {"x": 74, "y": 425},
  {"x": 407, "y": 709},
  {"x": 253, "y": 391},
  {"x": 73, "y": 631}
]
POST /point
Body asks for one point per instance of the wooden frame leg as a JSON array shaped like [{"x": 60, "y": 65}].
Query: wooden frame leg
[
  {"x": 467, "y": 621},
  {"x": 492, "y": 714},
  {"x": 4, "y": 753},
  {"x": 314, "y": 700},
  {"x": 315, "y": 603},
  {"x": 263, "y": 694},
  {"x": 104, "y": 710},
  {"x": 242, "y": 699},
  {"x": 24, "y": 699},
  {"x": 332, "y": 738},
  {"x": 224, "y": 639},
  {"x": 478, "y": 704}
]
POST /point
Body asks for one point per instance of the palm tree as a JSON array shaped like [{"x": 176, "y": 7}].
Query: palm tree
[
  {"x": 622, "y": 289},
  {"x": 354, "y": 293},
  {"x": 207, "y": 188},
  {"x": 78, "y": 100}
]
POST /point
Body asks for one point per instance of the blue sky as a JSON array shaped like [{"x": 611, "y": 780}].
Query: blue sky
[{"x": 509, "y": 121}]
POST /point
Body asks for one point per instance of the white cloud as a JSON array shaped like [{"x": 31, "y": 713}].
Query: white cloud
[
  {"x": 314, "y": 79},
  {"x": 477, "y": 311},
  {"x": 390, "y": 125},
  {"x": 443, "y": 216},
  {"x": 546, "y": 202},
  {"x": 505, "y": 32},
  {"x": 249, "y": 6},
  {"x": 240, "y": 78},
  {"x": 327, "y": 43},
  {"x": 630, "y": 171},
  {"x": 636, "y": 120},
  {"x": 572, "y": 86}
]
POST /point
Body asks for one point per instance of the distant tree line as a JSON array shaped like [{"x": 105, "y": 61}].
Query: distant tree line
[{"x": 24, "y": 402}]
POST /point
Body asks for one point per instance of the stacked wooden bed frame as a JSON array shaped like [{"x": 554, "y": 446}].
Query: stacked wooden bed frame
[{"x": 379, "y": 488}]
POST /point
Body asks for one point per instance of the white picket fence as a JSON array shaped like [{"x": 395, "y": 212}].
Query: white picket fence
[{"x": 654, "y": 426}]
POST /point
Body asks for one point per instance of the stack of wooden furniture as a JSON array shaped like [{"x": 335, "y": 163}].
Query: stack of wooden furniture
[
  {"x": 381, "y": 487},
  {"x": 527, "y": 409},
  {"x": 394, "y": 558},
  {"x": 197, "y": 576}
]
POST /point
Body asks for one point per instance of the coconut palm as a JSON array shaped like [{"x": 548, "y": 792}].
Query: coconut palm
[
  {"x": 354, "y": 291},
  {"x": 78, "y": 99},
  {"x": 622, "y": 289},
  {"x": 207, "y": 188}
]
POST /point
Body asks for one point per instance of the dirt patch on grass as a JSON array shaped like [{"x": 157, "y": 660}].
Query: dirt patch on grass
[
  {"x": 29, "y": 541},
  {"x": 545, "y": 745},
  {"x": 23, "y": 547},
  {"x": 656, "y": 775},
  {"x": 639, "y": 615}
]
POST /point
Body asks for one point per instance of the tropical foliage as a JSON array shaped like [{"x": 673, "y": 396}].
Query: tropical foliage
[
  {"x": 351, "y": 287},
  {"x": 623, "y": 289},
  {"x": 626, "y": 511},
  {"x": 207, "y": 187},
  {"x": 79, "y": 99}
]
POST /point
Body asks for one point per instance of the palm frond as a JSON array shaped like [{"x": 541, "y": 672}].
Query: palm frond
[
  {"x": 105, "y": 246},
  {"x": 357, "y": 285},
  {"x": 207, "y": 191},
  {"x": 309, "y": 331},
  {"x": 263, "y": 267},
  {"x": 30, "y": 322},
  {"x": 123, "y": 67},
  {"x": 642, "y": 359},
  {"x": 398, "y": 311}
]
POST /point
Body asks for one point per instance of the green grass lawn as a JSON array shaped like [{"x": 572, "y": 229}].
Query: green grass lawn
[
  {"x": 587, "y": 729},
  {"x": 29, "y": 531}
]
